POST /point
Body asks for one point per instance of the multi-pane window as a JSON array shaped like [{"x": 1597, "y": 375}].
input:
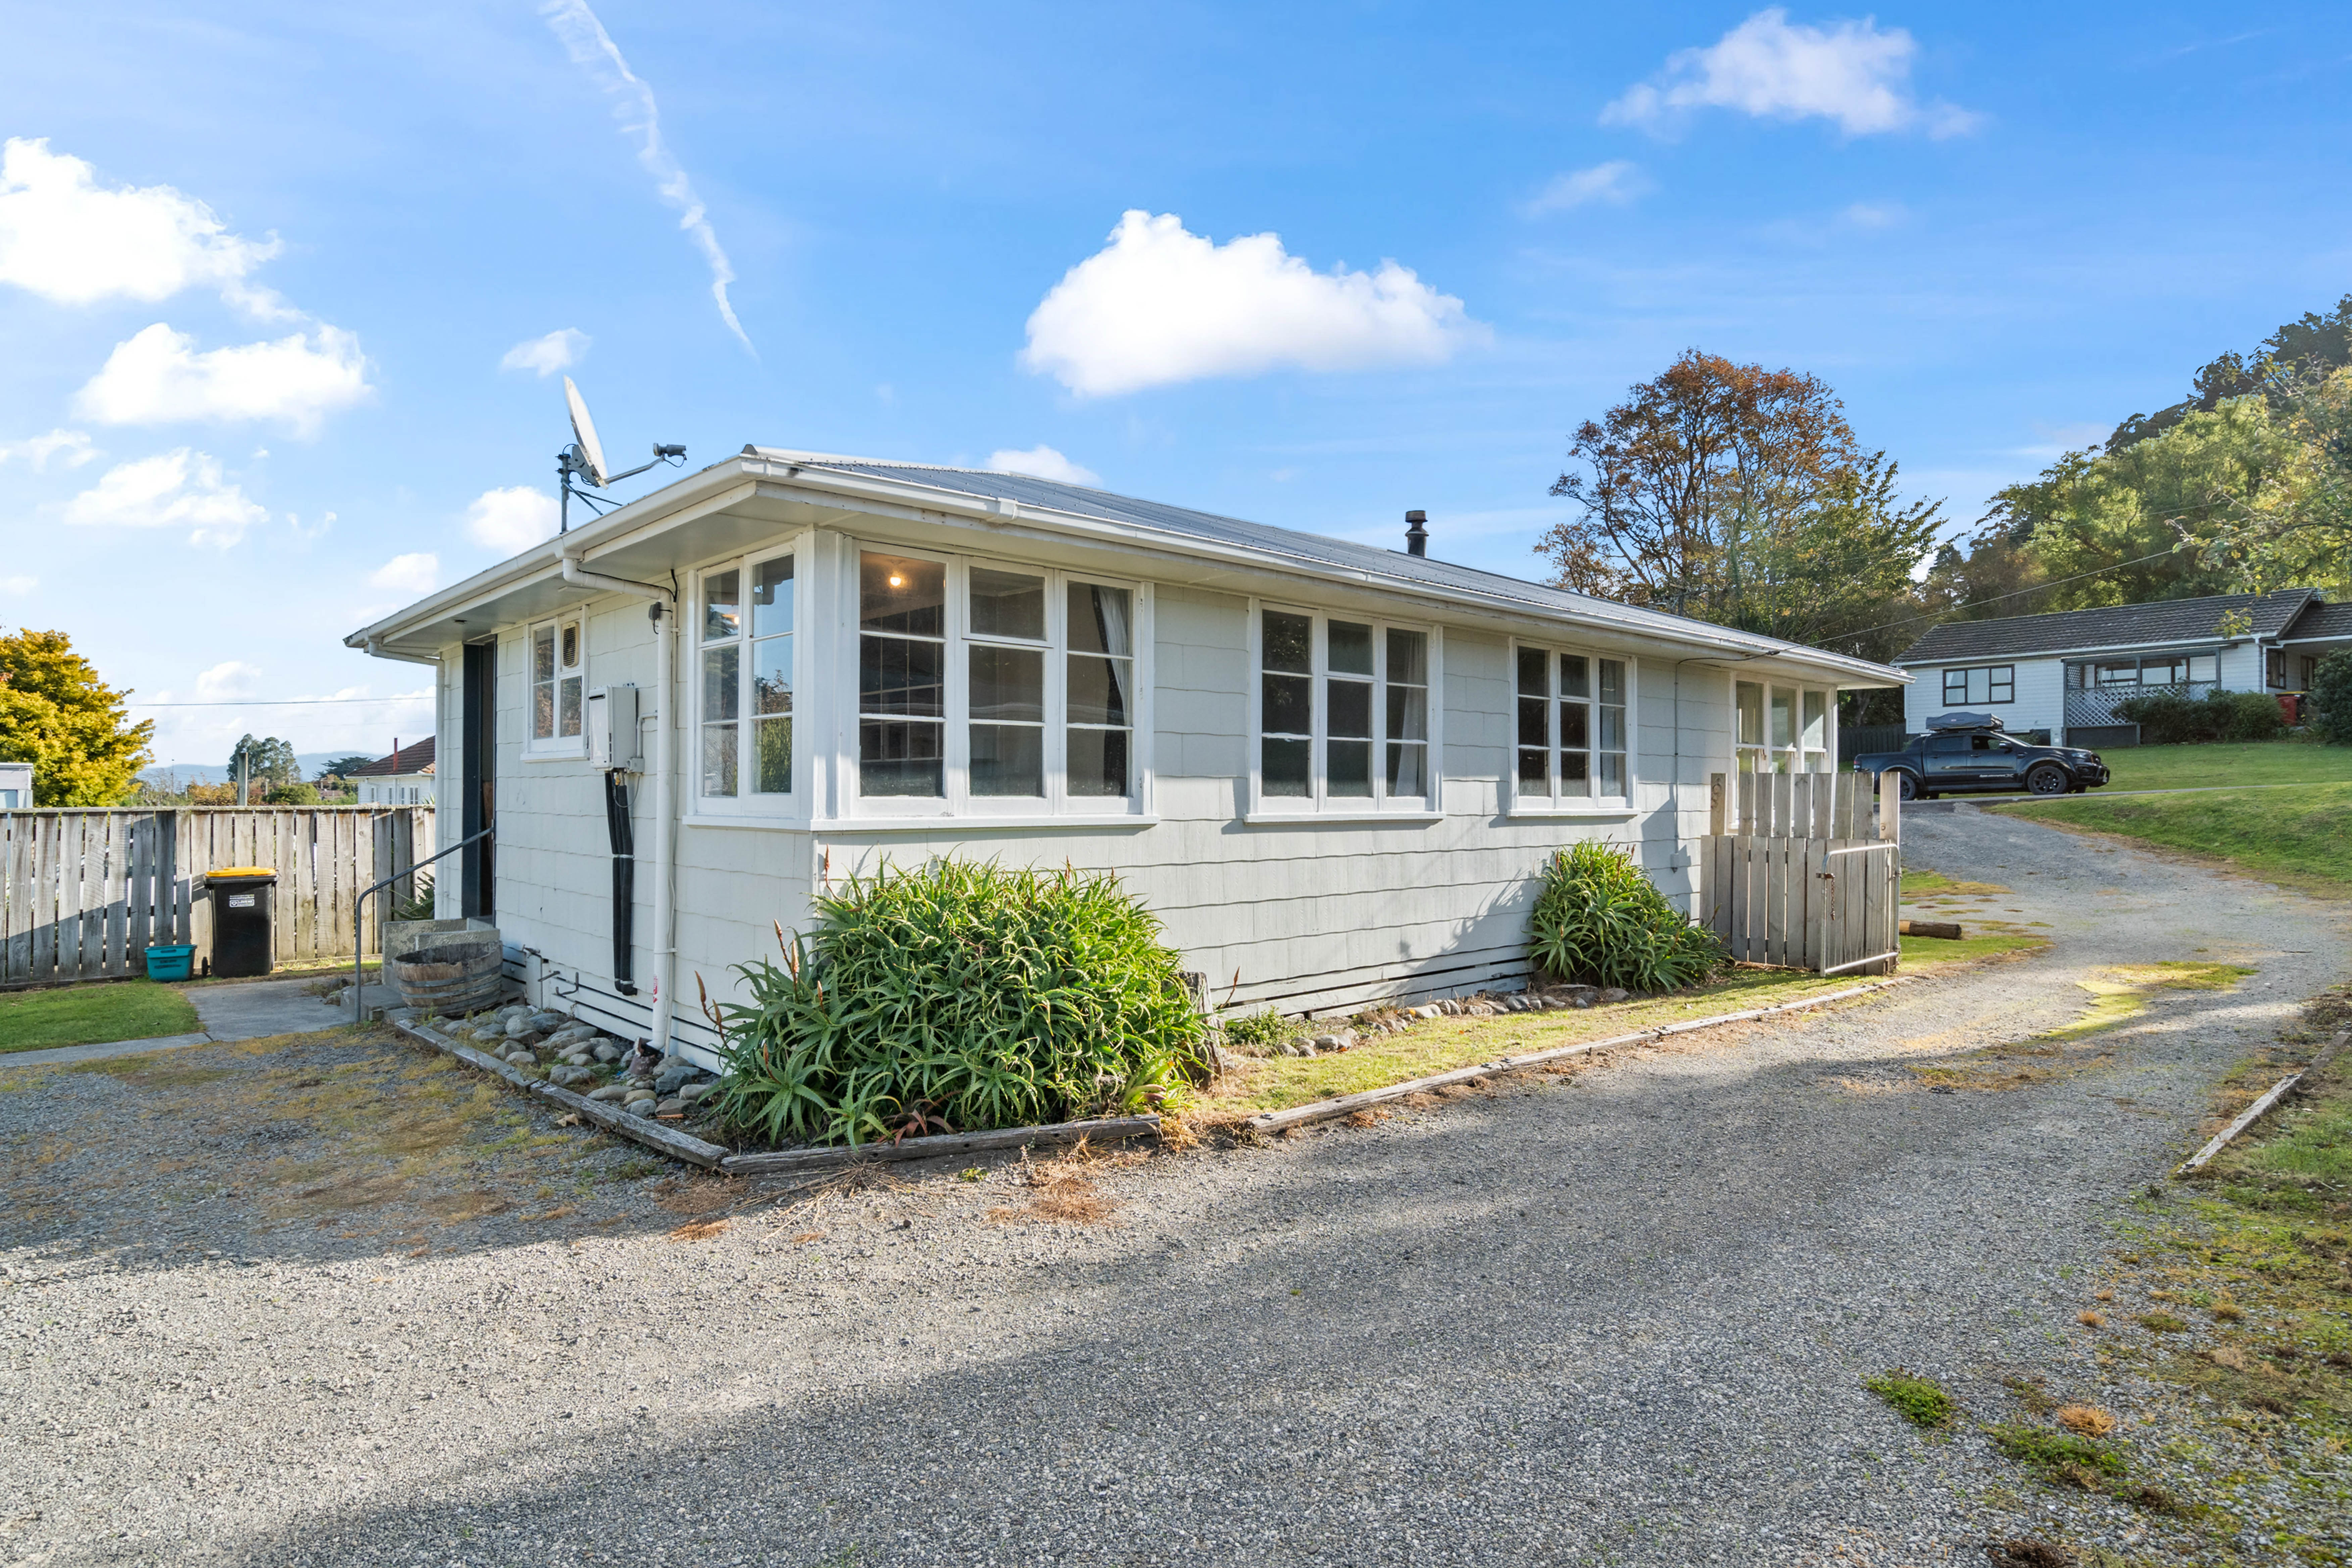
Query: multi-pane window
[
  {"x": 902, "y": 707},
  {"x": 993, "y": 683},
  {"x": 1780, "y": 729},
  {"x": 557, "y": 682},
  {"x": 1343, "y": 712},
  {"x": 1569, "y": 712},
  {"x": 2162, "y": 669},
  {"x": 1099, "y": 725},
  {"x": 745, "y": 633},
  {"x": 1981, "y": 684}
]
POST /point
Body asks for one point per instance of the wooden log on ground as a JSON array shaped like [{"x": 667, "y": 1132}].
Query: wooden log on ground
[
  {"x": 1104, "y": 1129},
  {"x": 611, "y": 1118},
  {"x": 1943, "y": 931}
]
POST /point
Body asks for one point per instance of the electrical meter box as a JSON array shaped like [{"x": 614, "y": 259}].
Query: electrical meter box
[{"x": 613, "y": 729}]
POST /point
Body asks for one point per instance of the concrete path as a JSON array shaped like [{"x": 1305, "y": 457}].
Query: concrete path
[{"x": 246, "y": 1012}]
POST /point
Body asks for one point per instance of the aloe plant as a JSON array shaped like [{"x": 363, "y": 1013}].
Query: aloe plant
[
  {"x": 1598, "y": 921},
  {"x": 958, "y": 996}
]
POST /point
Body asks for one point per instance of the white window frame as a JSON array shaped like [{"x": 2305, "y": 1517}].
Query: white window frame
[
  {"x": 1318, "y": 804},
  {"x": 2008, "y": 678},
  {"x": 1556, "y": 804},
  {"x": 793, "y": 807},
  {"x": 1796, "y": 754},
  {"x": 958, "y": 803},
  {"x": 558, "y": 746}
]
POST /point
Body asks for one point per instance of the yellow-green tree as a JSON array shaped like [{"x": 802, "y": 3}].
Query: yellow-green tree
[{"x": 56, "y": 714}]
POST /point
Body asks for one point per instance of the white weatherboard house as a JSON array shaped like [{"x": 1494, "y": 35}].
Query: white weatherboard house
[
  {"x": 2065, "y": 672},
  {"x": 403, "y": 778},
  {"x": 1331, "y": 770}
]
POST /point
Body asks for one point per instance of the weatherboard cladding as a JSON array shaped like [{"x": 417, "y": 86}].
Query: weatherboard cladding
[
  {"x": 1079, "y": 501},
  {"x": 2117, "y": 627}
]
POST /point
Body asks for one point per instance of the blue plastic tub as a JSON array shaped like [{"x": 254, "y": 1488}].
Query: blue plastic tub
[{"x": 176, "y": 963}]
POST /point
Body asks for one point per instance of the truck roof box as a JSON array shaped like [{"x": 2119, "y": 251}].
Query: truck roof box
[{"x": 1964, "y": 721}]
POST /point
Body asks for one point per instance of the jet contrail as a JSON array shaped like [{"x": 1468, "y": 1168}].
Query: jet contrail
[{"x": 592, "y": 50}]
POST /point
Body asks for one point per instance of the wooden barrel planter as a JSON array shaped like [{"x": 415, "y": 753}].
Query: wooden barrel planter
[{"x": 450, "y": 978}]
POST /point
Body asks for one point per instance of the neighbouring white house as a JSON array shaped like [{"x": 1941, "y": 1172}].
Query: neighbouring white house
[
  {"x": 403, "y": 778},
  {"x": 2065, "y": 673},
  {"x": 1331, "y": 769},
  {"x": 15, "y": 786}
]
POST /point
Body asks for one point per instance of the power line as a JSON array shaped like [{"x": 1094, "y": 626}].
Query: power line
[{"x": 283, "y": 701}]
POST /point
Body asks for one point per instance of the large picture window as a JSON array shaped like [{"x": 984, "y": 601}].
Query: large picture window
[
  {"x": 1779, "y": 729},
  {"x": 1344, "y": 713},
  {"x": 559, "y": 658},
  {"x": 1980, "y": 684},
  {"x": 1571, "y": 731},
  {"x": 744, "y": 664},
  {"x": 1005, "y": 688}
]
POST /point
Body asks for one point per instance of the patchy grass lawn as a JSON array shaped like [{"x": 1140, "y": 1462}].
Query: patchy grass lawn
[
  {"x": 2295, "y": 836},
  {"x": 93, "y": 1014},
  {"x": 2117, "y": 996},
  {"x": 2227, "y": 763},
  {"x": 1439, "y": 1044}
]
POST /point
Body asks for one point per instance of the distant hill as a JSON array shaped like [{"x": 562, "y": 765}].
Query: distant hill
[{"x": 213, "y": 773}]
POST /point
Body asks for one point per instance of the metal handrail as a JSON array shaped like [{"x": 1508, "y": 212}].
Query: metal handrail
[{"x": 359, "y": 915}]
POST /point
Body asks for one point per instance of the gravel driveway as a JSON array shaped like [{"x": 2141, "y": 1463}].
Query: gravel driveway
[{"x": 1614, "y": 1318}]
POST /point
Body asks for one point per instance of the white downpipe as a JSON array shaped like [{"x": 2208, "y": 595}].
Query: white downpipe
[{"x": 664, "y": 812}]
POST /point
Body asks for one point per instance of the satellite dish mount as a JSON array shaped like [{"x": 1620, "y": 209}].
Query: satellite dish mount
[{"x": 579, "y": 468}]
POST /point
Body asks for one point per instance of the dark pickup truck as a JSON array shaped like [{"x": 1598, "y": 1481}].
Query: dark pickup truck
[{"x": 1965, "y": 752}]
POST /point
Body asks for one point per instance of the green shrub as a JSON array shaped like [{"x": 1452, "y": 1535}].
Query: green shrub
[
  {"x": 1261, "y": 1033},
  {"x": 1598, "y": 922},
  {"x": 292, "y": 794},
  {"x": 419, "y": 908},
  {"x": 2169, "y": 719},
  {"x": 958, "y": 997},
  {"x": 1917, "y": 1399},
  {"x": 2331, "y": 697}
]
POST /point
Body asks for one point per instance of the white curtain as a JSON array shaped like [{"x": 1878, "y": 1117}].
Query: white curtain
[{"x": 1110, "y": 612}]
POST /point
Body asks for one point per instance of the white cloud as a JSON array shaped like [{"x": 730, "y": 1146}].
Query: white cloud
[
  {"x": 1876, "y": 214},
  {"x": 18, "y": 585},
  {"x": 72, "y": 240},
  {"x": 1616, "y": 182},
  {"x": 228, "y": 681},
  {"x": 415, "y": 574},
  {"x": 592, "y": 49},
  {"x": 1850, "y": 73},
  {"x": 1042, "y": 463},
  {"x": 513, "y": 520},
  {"x": 1158, "y": 305},
  {"x": 158, "y": 378},
  {"x": 71, "y": 447},
  {"x": 559, "y": 350},
  {"x": 179, "y": 489}
]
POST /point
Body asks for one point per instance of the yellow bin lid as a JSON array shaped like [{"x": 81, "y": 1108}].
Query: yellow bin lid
[{"x": 244, "y": 871}]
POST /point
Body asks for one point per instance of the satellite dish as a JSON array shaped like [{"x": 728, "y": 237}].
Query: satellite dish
[{"x": 583, "y": 430}]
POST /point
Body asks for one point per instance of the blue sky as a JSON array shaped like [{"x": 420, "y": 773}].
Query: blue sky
[{"x": 1996, "y": 230}]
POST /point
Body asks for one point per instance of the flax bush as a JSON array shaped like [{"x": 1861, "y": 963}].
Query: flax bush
[
  {"x": 1598, "y": 921},
  {"x": 959, "y": 997}
]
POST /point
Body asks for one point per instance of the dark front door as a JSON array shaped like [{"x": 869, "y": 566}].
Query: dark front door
[{"x": 478, "y": 740}]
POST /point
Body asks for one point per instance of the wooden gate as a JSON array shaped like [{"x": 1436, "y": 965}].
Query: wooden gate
[
  {"x": 84, "y": 893},
  {"x": 1803, "y": 871}
]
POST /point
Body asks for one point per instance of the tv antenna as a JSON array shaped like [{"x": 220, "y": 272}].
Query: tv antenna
[{"x": 584, "y": 461}]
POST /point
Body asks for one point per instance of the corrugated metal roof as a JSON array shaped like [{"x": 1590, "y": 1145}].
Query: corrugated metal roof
[
  {"x": 1081, "y": 500},
  {"x": 2119, "y": 625},
  {"x": 416, "y": 757}
]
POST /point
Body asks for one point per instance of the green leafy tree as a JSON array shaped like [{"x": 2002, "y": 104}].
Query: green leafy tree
[
  {"x": 57, "y": 714},
  {"x": 343, "y": 767},
  {"x": 2331, "y": 697},
  {"x": 2314, "y": 342},
  {"x": 1739, "y": 495},
  {"x": 267, "y": 763}
]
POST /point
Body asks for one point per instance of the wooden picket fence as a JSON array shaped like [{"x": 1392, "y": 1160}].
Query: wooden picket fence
[
  {"x": 84, "y": 893},
  {"x": 1803, "y": 871}
]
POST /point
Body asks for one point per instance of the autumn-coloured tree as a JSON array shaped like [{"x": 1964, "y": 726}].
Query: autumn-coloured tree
[
  {"x": 1739, "y": 495},
  {"x": 56, "y": 714}
]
